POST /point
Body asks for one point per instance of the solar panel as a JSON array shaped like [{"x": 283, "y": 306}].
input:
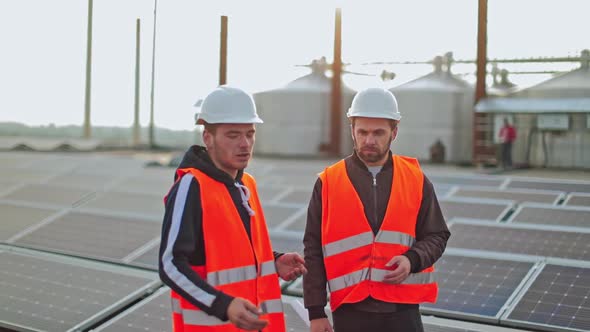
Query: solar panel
[
  {"x": 55, "y": 162},
  {"x": 153, "y": 314},
  {"x": 269, "y": 193},
  {"x": 299, "y": 222},
  {"x": 437, "y": 324},
  {"x": 276, "y": 214},
  {"x": 297, "y": 320},
  {"x": 548, "y": 197},
  {"x": 537, "y": 240},
  {"x": 296, "y": 317},
  {"x": 552, "y": 215},
  {"x": 578, "y": 199},
  {"x": 474, "y": 208},
  {"x": 87, "y": 181},
  {"x": 297, "y": 196},
  {"x": 14, "y": 161},
  {"x": 485, "y": 181},
  {"x": 476, "y": 287},
  {"x": 92, "y": 235},
  {"x": 295, "y": 288},
  {"x": 558, "y": 185},
  {"x": 148, "y": 259},
  {"x": 44, "y": 292},
  {"x": 48, "y": 194},
  {"x": 8, "y": 186},
  {"x": 25, "y": 175},
  {"x": 144, "y": 184},
  {"x": 133, "y": 203},
  {"x": 557, "y": 299},
  {"x": 438, "y": 328},
  {"x": 305, "y": 180},
  {"x": 285, "y": 241},
  {"x": 109, "y": 165},
  {"x": 443, "y": 190},
  {"x": 14, "y": 218}
]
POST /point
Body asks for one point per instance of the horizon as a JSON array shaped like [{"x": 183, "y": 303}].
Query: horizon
[{"x": 43, "y": 63}]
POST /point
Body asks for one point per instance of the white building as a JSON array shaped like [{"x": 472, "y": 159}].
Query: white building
[
  {"x": 436, "y": 106},
  {"x": 552, "y": 119},
  {"x": 297, "y": 116}
]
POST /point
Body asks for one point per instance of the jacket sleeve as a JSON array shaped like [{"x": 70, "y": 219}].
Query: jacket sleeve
[
  {"x": 432, "y": 233},
  {"x": 314, "y": 282},
  {"x": 182, "y": 244}
]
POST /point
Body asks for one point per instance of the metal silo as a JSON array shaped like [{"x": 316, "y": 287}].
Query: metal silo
[
  {"x": 437, "y": 106},
  {"x": 296, "y": 116}
]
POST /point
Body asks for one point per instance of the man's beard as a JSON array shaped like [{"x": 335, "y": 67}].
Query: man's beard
[{"x": 372, "y": 156}]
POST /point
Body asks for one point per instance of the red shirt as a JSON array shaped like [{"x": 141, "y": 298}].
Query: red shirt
[{"x": 507, "y": 134}]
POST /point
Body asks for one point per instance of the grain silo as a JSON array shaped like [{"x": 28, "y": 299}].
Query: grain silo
[
  {"x": 437, "y": 106},
  {"x": 297, "y": 116}
]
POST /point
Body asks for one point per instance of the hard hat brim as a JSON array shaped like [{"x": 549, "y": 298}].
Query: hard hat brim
[
  {"x": 202, "y": 120},
  {"x": 352, "y": 113}
]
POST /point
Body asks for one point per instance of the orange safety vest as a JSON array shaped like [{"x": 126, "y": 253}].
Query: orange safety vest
[
  {"x": 229, "y": 264},
  {"x": 354, "y": 257}
]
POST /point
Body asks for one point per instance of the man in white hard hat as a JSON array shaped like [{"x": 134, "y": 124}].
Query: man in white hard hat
[
  {"x": 374, "y": 230},
  {"x": 215, "y": 251}
]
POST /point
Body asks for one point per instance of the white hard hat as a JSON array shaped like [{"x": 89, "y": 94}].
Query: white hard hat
[
  {"x": 374, "y": 103},
  {"x": 228, "y": 105}
]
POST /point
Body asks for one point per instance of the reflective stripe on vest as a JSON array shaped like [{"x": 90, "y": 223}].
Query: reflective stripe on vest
[
  {"x": 413, "y": 278},
  {"x": 376, "y": 275},
  {"x": 365, "y": 239},
  {"x": 238, "y": 274},
  {"x": 198, "y": 317}
]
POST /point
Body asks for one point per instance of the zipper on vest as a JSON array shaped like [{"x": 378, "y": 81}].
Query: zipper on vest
[{"x": 375, "y": 199}]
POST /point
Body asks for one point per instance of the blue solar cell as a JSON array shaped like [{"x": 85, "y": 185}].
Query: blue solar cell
[
  {"x": 559, "y": 297},
  {"x": 527, "y": 240},
  {"x": 476, "y": 286}
]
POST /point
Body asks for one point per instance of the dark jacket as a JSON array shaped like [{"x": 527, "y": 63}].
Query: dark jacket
[
  {"x": 431, "y": 234},
  {"x": 188, "y": 248}
]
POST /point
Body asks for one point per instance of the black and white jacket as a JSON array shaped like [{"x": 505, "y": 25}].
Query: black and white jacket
[{"x": 182, "y": 244}]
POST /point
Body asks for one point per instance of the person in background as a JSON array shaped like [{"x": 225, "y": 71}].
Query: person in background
[
  {"x": 507, "y": 137},
  {"x": 215, "y": 251},
  {"x": 374, "y": 230}
]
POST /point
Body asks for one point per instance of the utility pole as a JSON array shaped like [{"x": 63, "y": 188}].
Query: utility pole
[
  {"x": 87, "y": 94},
  {"x": 482, "y": 148},
  {"x": 223, "y": 52},
  {"x": 336, "y": 100},
  {"x": 136, "y": 126},
  {"x": 152, "y": 142}
]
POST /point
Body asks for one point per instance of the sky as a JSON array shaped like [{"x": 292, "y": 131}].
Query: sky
[{"x": 43, "y": 48}]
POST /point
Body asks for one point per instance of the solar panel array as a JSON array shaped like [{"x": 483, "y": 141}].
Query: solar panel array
[
  {"x": 476, "y": 286},
  {"x": 467, "y": 180},
  {"x": 474, "y": 208},
  {"x": 556, "y": 185},
  {"x": 92, "y": 235},
  {"x": 521, "y": 239},
  {"x": 552, "y": 215},
  {"x": 547, "y": 197},
  {"x": 152, "y": 314},
  {"x": 51, "y": 293},
  {"x": 557, "y": 299},
  {"x": 578, "y": 199},
  {"x": 109, "y": 208}
]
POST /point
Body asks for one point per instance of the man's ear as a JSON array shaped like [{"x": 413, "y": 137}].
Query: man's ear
[
  {"x": 394, "y": 133},
  {"x": 207, "y": 138}
]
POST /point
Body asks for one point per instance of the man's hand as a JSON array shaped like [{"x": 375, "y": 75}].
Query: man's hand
[
  {"x": 320, "y": 325},
  {"x": 400, "y": 273},
  {"x": 290, "y": 266},
  {"x": 244, "y": 315}
]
